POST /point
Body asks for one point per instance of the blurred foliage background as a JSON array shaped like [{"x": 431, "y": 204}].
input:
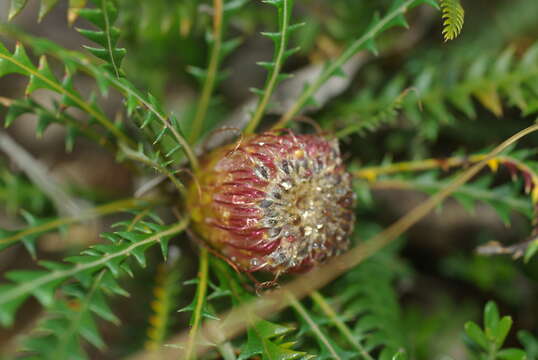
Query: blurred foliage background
[{"x": 420, "y": 97}]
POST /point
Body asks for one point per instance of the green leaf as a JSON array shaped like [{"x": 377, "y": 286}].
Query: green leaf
[
  {"x": 16, "y": 7},
  {"x": 476, "y": 334},
  {"x": 511, "y": 354},
  {"x": 45, "y": 8},
  {"x": 503, "y": 328},
  {"x": 43, "y": 78},
  {"x": 453, "y": 16},
  {"x": 491, "y": 319}
]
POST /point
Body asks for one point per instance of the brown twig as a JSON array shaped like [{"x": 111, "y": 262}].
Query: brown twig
[{"x": 234, "y": 322}]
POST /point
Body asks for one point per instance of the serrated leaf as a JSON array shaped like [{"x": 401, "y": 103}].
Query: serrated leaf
[
  {"x": 45, "y": 8},
  {"x": 15, "y": 8},
  {"x": 18, "y": 62},
  {"x": 42, "y": 78}
]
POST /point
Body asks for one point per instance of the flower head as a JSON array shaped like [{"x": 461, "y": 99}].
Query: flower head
[{"x": 274, "y": 202}]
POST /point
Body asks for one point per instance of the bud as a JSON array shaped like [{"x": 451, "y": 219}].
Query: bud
[{"x": 274, "y": 202}]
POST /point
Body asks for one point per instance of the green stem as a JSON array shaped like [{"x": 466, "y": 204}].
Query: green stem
[
  {"x": 341, "y": 60},
  {"x": 209, "y": 83},
  {"x": 313, "y": 326},
  {"x": 198, "y": 307},
  {"x": 329, "y": 312},
  {"x": 273, "y": 78}
]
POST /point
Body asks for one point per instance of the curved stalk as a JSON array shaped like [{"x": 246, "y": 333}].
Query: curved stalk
[{"x": 210, "y": 80}]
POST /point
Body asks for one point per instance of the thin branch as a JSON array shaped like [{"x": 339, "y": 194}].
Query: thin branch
[
  {"x": 313, "y": 326},
  {"x": 340, "y": 325},
  {"x": 210, "y": 80},
  {"x": 275, "y": 71},
  {"x": 190, "y": 352}
]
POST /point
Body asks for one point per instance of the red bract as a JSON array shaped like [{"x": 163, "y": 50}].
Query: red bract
[{"x": 274, "y": 202}]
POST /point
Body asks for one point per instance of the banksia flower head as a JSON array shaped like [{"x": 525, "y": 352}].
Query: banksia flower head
[{"x": 274, "y": 202}]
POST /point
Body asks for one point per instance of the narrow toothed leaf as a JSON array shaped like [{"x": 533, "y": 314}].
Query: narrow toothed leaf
[
  {"x": 43, "y": 121},
  {"x": 229, "y": 46},
  {"x": 257, "y": 91},
  {"x": 116, "y": 55},
  {"x": 397, "y": 21},
  {"x": 268, "y": 65},
  {"x": 42, "y": 78},
  {"x": 275, "y": 36},
  {"x": 74, "y": 7},
  {"x": 70, "y": 138},
  {"x": 18, "y": 62},
  {"x": 29, "y": 245},
  {"x": 283, "y": 76},
  {"x": 8, "y": 309},
  {"x": 371, "y": 46},
  {"x": 100, "y": 307},
  {"x": 199, "y": 73},
  {"x": 13, "y": 113},
  {"x": 15, "y": 8},
  {"x": 94, "y": 15},
  {"x": 291, "y": 51},
  {"x": 160, "y": 135},
  {"x": 45, "y": 8},
  {"x": 139, "y": 254},
  {"x": 100, "y": 37}
]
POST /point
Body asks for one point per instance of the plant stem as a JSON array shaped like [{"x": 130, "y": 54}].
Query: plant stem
[
  {"x": 337, "y": 63},
  {"x": 313, "y": 326},
  {"x": 211, "y": 75},
  {"x": 201, "y": 290},
  {"x": 273, "y": 76}
]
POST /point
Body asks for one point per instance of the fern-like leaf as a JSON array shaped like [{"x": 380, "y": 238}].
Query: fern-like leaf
[
  {"x": 72, "y": 319},
  {"x": 431, "y": 98},
  {"x": 45, "y": 7},
  {"x": 41, "y": 77},
  {"x": 43, "y": 283},
  {"x": 453, "y": 18},
  {"x": 393, "y": 17},
  {"x": 103, "y": 17}
]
